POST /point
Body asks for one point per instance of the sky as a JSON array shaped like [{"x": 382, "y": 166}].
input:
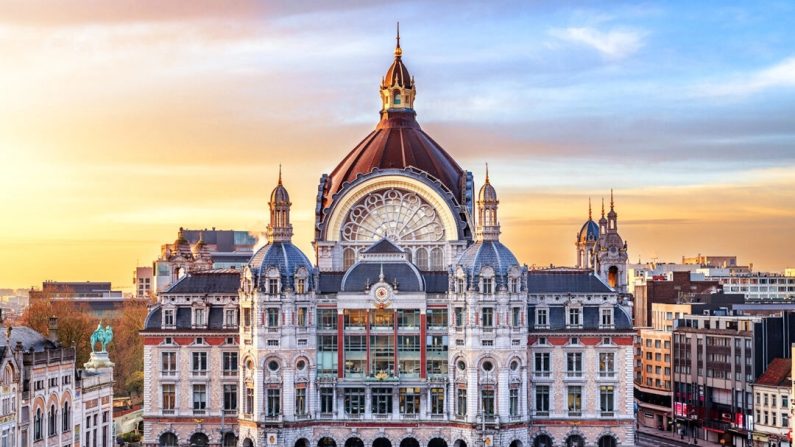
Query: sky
[{"x": 122, "y": 121}]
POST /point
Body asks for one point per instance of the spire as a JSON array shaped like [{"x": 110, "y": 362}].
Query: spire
[
  {"x": 398, "y": 50},
  {"x": 611, "y": 199},
  {"x": 590, "y": 214},
  {"x": 487, "y": 173},
  {"x": 280, "y": 173},
  {"x": 603, "y": 207}
]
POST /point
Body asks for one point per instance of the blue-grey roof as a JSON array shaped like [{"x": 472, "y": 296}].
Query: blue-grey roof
[
  {"x": 285, "y": 257},
  {"x": 436, "y": 282},
  {"x": 589, "y": 231},
  {"x": 487, "y": 253},
  {"x": 565, "y": 282},
  {"x": 590, "y": 317},
  {"x": 364, "y": 274},
  {"x": 383, "y": 246},
  {"x": 28, "y": 337},
  {"x": 330, "y": 282},
  {"x": 215, "y": 319},
  {"x": 210, "y": 281}
]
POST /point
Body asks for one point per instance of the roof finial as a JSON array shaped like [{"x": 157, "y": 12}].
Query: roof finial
[
  {"x": 590, "y": 215},
  {"x": 611, "y": 199},
  {"x": 487, "y": 173},
  {"x": 280, "y": 173},
  {"x": 603, "y": 207},
  {"x": 381, "y": 275},
  {"x": 398, "y": 51}
]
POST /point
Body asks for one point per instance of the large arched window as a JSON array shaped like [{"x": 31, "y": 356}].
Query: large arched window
[
  {"x": 348, "y": 258},
  {"x": 397, "y": 215},
  {"x": 396, "y": 99},
  {"x": 437, "y": 259},
  {"x": 38, "y": 434},
  {"x": 422, "y": 259},
  {"x": 52, "y": 421},
  {"x": 66, "y": 417}
]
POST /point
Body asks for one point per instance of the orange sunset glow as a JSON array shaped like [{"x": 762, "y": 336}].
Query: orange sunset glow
[{"x": 121, "y": 122}]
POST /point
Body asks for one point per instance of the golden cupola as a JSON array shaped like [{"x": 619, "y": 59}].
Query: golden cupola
[{"x": 397, "y": 86}]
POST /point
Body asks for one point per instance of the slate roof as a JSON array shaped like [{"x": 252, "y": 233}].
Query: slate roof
[
  {"x": 28, "y": 337},
  {"x": 285, "y": 257},
  {"x": 487, "y": 253},
  {"x": 590, "y": 318},
  {"x": 215, "y": 319},
  {"x": 209, "y": 281},
  {"x": 383, "y": 246},
  {"x": 778, "y": 373},
  {"x": 364, "y": 274},
  {"x": 565, "y": 282}
]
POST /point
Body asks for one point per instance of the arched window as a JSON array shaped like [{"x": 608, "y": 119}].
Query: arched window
[
  {"x": 66, "y": 420},
  {"x": 168, "y": 440},
  {"x": 38, "y": 435},
  {"x": 396, "y": 98},
  {"x": 437, "y": 259},
  {"x": 348, "y": 258},
  {"x": 612, "y": 276},
  {"x": 51, "y": 421},
  {"x": 422, "y": 259}
]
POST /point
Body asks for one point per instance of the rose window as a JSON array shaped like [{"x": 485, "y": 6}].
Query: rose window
[{"x": 399, "y": 216}]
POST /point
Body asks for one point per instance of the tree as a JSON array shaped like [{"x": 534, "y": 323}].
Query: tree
[
  {"x": 127, "y": 349},
  {"x": 75, "y": 325},
  {"x": 135, "y": 384}
]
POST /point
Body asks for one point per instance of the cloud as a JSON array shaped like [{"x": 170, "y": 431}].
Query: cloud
[
  {"x": 780, "y": 75},
  {"x": 612, "y": 44}
]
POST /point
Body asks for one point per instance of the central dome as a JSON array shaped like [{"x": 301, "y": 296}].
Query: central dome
[{"x": 397, "y": 143}]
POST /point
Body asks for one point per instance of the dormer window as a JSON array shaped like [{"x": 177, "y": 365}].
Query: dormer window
[
  {"x": 273, "y": 286},
  {"x": 300, "y": 286},
  {"x": 230, "y": 318},
  {"x": 575, "y": 316},
  {"x": 606, "y": 317},
  {"x": 487, "y": 286},
  {"x": 460, "y": 285},
  {"x": 513, "y": 285},
  {"x": 168, "y": 318},
  {"x": 542, "y": 319},
  {"x": 199, "y": 317}
]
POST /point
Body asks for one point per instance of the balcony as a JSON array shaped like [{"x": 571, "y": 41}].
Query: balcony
[
  {"x": 541, "y": 414},
  {"x": 607, "y": 414},
  {"x": 230, "y": 412},
  {"x": 575, "y": 413},
  {"x": 168, "y": 411},
  {"x": 199, "y": 412}
]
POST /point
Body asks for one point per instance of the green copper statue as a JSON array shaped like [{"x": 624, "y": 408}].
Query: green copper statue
[{"x": 102, "y": 336}]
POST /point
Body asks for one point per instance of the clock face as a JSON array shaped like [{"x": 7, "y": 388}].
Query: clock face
[{"x": 381, "y": 293}]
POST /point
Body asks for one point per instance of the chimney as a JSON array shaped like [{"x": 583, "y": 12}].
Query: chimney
[{"x": 53, "y": 329}]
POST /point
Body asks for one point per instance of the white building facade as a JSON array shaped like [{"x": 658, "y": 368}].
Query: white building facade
[{"x": 416, "y": 326}]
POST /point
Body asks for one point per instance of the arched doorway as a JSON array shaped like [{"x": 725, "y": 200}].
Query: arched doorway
[
  {"x": 612, "y": 276},
  {"x": 437, "y": 442},
  {"x": 199, "y": 439},
  {"x": 303, "y": 442},
  {"x": 354, "y": 442},
  {"x": 168, "y": 440},
  {"x": 607, "y": 441},
  {"x": 516, "y": 443},
  {"x": 575, "y": 441},
  {"x": 326, "y": 442},
  {"x": 230, "y": 440},
  {"x": 460, "y": 443},
  {"x": 248, "y": 442},
  {"x": 542, "y": 441},
  {"x": 409, "y": 442},
  {"x": 382, "y": 442}
]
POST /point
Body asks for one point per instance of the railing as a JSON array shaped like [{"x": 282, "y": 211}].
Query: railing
[
  {"x": 168, "y": 372},
  {"x": 230, "y": 372},
  {"x": 199, "y": 372},
  {"x": 230, "y": 412},
  {"x": 607, "y": 374},
  {"x": 575, "y": 413},
  {"x": 169, "y": 411},
  {"x": 199, "y": 412},
  {"x": 607, "y": 414},
  {"x": 574, "y": 374}
]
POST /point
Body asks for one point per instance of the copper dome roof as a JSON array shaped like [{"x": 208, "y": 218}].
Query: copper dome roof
[
  {"x": 397, "y": 142},
  {"x": 397, "y": 74}
]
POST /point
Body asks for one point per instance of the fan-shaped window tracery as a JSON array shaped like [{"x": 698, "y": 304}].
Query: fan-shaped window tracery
[{"x": 400, "y": 216}]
